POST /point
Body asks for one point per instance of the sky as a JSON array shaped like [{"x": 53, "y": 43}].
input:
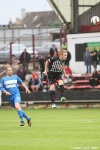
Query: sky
[{"x": 12, "y": 8}]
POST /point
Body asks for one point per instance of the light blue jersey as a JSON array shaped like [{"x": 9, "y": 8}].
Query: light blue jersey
[{"x": 10, "y": 84}]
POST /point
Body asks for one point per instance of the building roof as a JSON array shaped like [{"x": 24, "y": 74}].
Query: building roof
[
  {"x": 85, "y": 18},
  {"x": 44, "y": 18}
]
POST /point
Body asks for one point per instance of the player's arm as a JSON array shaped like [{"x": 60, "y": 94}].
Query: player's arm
[
  {"x": 3, "y": 89},
  {"x": 49, "y": 63},
  {"x": 64, "y": 72},
  {"x": 46, "y": 67},
  {"x": 19, "y": 81},
  {"x": 7, "y": 93},
  {"x": 26, "y": 88}
]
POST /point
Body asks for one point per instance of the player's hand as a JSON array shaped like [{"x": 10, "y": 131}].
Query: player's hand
[
  {"x": 28, "y": 91},
  {"x": 7, "y": 93},
  {"x": 45, "y": 73},
  {"x": 65, "y": 76}
]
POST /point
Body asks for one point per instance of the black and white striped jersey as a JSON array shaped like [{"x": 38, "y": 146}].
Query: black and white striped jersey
[{"x": 55, "y": 64}]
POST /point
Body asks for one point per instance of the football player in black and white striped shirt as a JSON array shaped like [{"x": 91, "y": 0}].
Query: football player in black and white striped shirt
[{"x": 54, "y": 67}]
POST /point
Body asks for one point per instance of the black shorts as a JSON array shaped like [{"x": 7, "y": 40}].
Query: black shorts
[{"x": 54, "y": 77}]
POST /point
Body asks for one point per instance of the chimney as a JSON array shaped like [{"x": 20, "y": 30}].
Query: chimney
[
  {"x": 10, "y": 23},
  {"x": 23, "y": 13},
  {"x": 18, "y": 21}
]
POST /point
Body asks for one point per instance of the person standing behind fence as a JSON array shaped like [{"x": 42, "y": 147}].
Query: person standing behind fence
[
  {"x": 53, "y": 51},
  {"x": 25, "y": 59},
  {"x": 87, "y": 60},
  {"x": 93, "y": 55},
  {"x": 99, "y": 58},
  {"x": 42, "y": 63},
  {"x": 64, "y": 47},
  {"x": 21, "y": 73}
]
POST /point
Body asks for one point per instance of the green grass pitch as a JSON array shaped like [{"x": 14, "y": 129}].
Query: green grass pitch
[{"x": 52, "y": 129}]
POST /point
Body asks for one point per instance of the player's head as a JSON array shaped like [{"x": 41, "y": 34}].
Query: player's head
[
  {"x": 9, "y": 71},
  {"x": 63, "y": 54}
]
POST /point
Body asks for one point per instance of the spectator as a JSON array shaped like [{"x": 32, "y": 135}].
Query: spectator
[
  {"x": 99, "y": 57},
  {"x": 25, "y": 59},
  {"x": 34, "y": 73},
  {"x": 64, "y": 47},
  {"x": 21, "y": 73},
  {"x": 68, "y": 74},
  {"x": 87, "y": 60},
  {"x": 68, "y": 58},
  {"x": 42, "y": 64},
  {"x": 94, "y": 80},
  {"x": 99, "y": 74},
  {"x": 53, "y": 51},
  {"x": 36, "y": 84},
  {"x": 93, "y": 55},
  {"x": 48, "y": 56},
  {"x": 29, "y": 84}
]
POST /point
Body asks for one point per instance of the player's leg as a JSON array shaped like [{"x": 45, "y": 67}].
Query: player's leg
[
  {"x": 51, "y": 78},
  {"x": 52, "y": 95},
  {"x": 13, "y": 102},
  {"x": 21, "y": 113},
  {"x": 61, "y": 86}
]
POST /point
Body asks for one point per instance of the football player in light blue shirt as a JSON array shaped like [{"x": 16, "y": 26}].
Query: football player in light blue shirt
[{"x": 10, "y": 88}]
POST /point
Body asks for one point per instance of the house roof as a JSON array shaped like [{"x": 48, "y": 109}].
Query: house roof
[{"x": 44, "y": 18}]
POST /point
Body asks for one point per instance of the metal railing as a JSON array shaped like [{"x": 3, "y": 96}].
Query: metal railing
[{"x": 62, "y": 33}]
